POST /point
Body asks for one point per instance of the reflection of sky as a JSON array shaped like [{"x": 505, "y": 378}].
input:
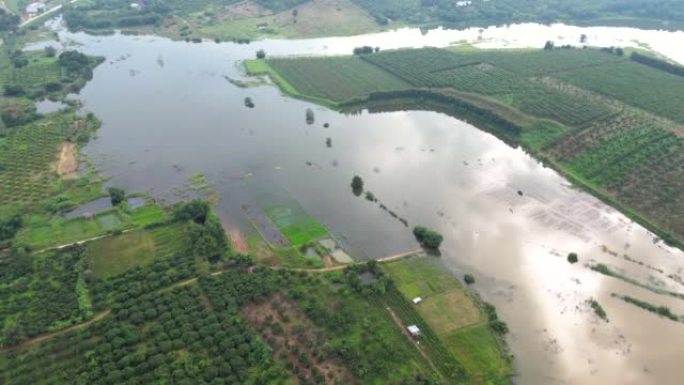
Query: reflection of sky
[{"x": 431, "y": 169}]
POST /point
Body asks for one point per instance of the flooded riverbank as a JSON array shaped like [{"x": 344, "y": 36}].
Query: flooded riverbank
[{"x": 169, "y": 113}]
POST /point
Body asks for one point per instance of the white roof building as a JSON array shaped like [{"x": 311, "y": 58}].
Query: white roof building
[
  {"x": 414, "y": 330},
  {"x": 417, "y": 300}
]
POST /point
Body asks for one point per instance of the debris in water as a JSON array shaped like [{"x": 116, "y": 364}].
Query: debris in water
[{"x": 328, "y": 142}]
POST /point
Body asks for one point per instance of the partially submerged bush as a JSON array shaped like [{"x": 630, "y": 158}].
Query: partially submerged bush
[{"x": 428, "y": 238}]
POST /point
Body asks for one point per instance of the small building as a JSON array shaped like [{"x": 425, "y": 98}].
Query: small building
[
  {"x": 136, "y": 5},
  {"x": 417, "y": 300},
  {"x": 413, "y": 330}
]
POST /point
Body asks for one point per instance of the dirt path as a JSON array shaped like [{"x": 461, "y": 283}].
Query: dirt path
[
  {"x": 44, "y": 337},
  {"x": 68, "y": 161},
  {"x": 415, "y": 343},
  {"x": 81, "y": 242}
]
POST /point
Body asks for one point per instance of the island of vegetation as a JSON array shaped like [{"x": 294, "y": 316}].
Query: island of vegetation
[{"x": 610, "y": 121}]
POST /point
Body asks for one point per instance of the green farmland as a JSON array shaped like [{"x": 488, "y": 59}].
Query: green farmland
[
  {"x": 611, "y": 124},
  {"x": 354, "y": 78},
  {"x": 454, "y": 316}
]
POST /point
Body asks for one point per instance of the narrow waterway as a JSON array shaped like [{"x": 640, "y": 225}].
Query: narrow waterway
[{"x": 169, "y": 112}]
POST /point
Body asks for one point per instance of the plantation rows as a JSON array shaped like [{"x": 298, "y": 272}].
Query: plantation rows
[
  {"x": 39, "y": 294},
  {"x": 168, "y": 337},
  {"x": 33, "y": 75},
  {"x": 544, "y": 101},
  {"x": 479, "y": 78},
  {"x": 656, "y": 188},
  {"x": 609, "y": 161},
  {"x": 417, "y": 66},
  {"x": 25, "y": 175},
  {"x": 598, "y": 131},
  {"x": 535, "y": 63},
  {"x": 134, "y": 283},
  {"x": 635, "y": 84},
  {"x": 29, "y": 152},
  {"x": 337, "y": 79}
]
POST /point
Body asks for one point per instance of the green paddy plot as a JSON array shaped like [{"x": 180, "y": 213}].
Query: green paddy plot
[
  {"x": 454, "y": 316},
  {"x": 295, "y": 223},
  {"x": 116, "y": 254},
  {"x": 476, "y": 348},
  {"x": 44, "y": 234},
  {"x": 147, "y": 215}
]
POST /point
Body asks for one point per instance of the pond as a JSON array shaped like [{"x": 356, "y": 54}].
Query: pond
[{"x": 169, "y": 113}]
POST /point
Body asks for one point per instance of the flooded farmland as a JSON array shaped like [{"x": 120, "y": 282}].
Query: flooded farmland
[{"x": 170, "y": 112}]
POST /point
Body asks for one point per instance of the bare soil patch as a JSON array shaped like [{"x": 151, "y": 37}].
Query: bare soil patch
[
  {"x": 67, "y": 166},
  {"x": 296, "y": 341}
]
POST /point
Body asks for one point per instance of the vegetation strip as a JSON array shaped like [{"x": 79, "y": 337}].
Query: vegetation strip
[{"x": 605, "y": 270}]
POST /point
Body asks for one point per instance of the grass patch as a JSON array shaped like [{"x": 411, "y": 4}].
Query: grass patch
[
  {"x": 147, "y": 215},
  {"x": 116, "y": 254},
  {"x": 477, "y": 350}
]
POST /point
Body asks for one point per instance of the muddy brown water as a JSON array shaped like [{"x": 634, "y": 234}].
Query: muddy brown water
[{"x": 164, "y": 123}]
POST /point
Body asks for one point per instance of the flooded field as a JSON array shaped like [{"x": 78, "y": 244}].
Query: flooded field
[{"x": 169, "y": 112}]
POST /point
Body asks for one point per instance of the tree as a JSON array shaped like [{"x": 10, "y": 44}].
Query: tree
[
  {"x": 428, "y": 238},
  {"x": 572, "y": 258},
  {"x": 583, "y": 38},
  {"x": 357, "y": 185},
  {"x": 549, "y": 45},
  {"x": 248, "y": 102},
  {"x": 116, "y": 195},
  {"x": 50, "y": 51},
  {"x": 469, "y": 279},
  {"x": 310, "y": 117},
  {"x": 10, "y": 223},
  {"x": 195, "y": 210},
  {"x": 261, "y": 54}
]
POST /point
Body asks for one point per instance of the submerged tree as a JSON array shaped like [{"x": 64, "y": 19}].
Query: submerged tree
[
  {"x": 310, "y": 117},
  {"x": 261, "y": 54},
  {"x": 357, "y": 185},
  {"x": 428, "y": 238},
  {"x": 572, "y": 258},
  {"x": 116, "y": 195}
]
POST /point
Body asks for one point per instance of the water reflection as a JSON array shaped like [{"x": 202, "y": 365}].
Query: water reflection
[{"x": 505, "y": 217}]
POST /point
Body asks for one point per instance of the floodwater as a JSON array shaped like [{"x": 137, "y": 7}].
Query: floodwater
[{"x": 169, "y": 112}]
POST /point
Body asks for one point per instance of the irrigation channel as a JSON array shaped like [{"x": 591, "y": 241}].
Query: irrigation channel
[{"x": 169, "y": 112}]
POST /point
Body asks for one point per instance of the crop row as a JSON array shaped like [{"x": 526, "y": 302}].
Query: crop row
[{"x": 337, "y": 79}]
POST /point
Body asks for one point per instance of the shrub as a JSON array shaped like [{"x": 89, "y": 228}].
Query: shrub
[
  {"x": 428, "y": 238},
  {"x": 572, "y": 258},
  {"x": 261, "y": 54},
  {"x": 469, "y": 279},
  {"x": 116, "y": 195}
]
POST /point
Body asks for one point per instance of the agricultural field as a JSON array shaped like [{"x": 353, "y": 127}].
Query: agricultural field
[
  {"x": 41, "y": 293},
  {"x": 29, "y": 151},
  {"x": 47, "y": 233},
  {"x": 610, "y": 124},
  {"x": 335, "y": 79},
  {"x": 453, "y": 315},
  {"x": 253, "y": 327},
  {"x": 637, "y": 85},
  {"x": 148, "y": 215},
  {"x": 111, "y": 256}
]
